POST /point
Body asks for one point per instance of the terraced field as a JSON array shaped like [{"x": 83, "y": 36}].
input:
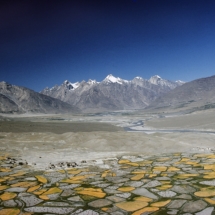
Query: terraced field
[{"x": 178, "y": 183}]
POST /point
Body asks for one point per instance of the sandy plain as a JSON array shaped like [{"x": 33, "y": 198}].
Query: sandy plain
[
  {"x": 45, "y": 139},
  {"x": 204, "y": 120}
]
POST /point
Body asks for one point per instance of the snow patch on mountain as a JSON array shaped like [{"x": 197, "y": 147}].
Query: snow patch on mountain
[
  {"x": 139, "y": 78},
  {"x": 180, "y": 82},
  {"x": 71, "y": 86},
  {"x": 91, "y": 82},
  {"x": 75, "y": 85},
  {"x": 111, "y": 79},
  {"x": 157, "y": 80}
]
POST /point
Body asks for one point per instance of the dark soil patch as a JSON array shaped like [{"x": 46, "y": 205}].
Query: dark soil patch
[{"x": 55, "y": 127}]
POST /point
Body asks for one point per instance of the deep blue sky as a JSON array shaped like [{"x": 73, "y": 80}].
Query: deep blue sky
[{"x": 42, "y": 43}]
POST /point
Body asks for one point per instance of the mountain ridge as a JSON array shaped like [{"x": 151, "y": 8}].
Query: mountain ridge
[
  {"x": 16, "y": 99},
  {"x": 112, "y": 93},
  {"x": 195, "y": 94}
]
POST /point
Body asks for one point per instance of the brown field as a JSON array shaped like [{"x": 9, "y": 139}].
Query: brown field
[{"x": 55, "y": 127}]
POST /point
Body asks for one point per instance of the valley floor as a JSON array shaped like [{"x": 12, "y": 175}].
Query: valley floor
[{"x": 112, "y": 163}]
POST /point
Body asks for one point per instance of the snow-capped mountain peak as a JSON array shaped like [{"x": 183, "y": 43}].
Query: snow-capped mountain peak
[
  {"x": 90, "y": 81},
  {"x": 71, "y": 86},
  {"x": 139, "y": 78},
  {"x": 180, "y": 82},
  {"x": 156, "y": 79},
  {"x": 76, "y": 85},
  {"x": 111, "y": 79},
  {"x": 66, "y": 82}
]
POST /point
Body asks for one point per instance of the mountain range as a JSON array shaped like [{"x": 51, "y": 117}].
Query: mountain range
[{"x": 113, "y": 93}]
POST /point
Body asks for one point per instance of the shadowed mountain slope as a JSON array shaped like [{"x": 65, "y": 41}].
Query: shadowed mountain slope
[
  {"x": 15, "y": 99},
  {"x": 198, "y": 93}
]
